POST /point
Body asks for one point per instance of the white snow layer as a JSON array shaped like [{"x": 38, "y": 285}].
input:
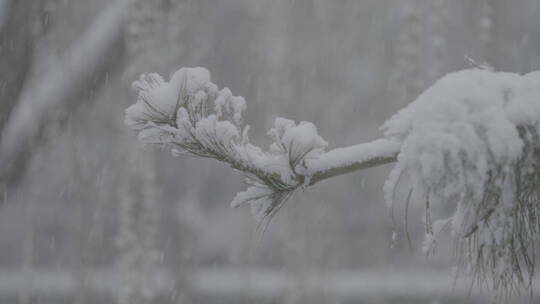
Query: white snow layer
[
  {"x": 463, "y": 142},
  {"x": 461, "y": 128},
  {"x": 342, "y": 157}
]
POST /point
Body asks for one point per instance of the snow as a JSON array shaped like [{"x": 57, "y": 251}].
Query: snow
[
  {"x": 159, "y": 100},
  {"x": 169, "y": 111},
  {"x": 457, "y": 130},
  {"x": 225, "y": 103},
  {"x": 342, "y": 157},
  {"x": 460, "y": 147},
  {"x": 297, "y": 143},
  {"x": 302, "y": 138},
  {"x": 252, "y": 193},
  {"x": 430, "y": 239},
  {"x": 224, "y": 130}
]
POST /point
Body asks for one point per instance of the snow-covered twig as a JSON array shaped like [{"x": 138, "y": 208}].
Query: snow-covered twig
[
  {"x": 349, "y": 159},
  {"x": 191, "y": 115}
]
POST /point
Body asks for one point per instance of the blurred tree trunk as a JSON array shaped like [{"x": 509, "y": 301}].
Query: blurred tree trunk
[
  {"x": 17, "y": 39},
  {"x": 30, "y": 235},
  {"x": 36, "y": 103},
  {"x": 16, "y": 44}
]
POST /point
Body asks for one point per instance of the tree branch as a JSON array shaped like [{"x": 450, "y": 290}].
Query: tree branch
[
  {"x": 191, "y": 114},
  {"x": 349, "y": 159},
  {"x": 470, "y": 141}
]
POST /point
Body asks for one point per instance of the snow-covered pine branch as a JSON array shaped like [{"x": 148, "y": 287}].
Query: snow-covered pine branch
[
  {"x": 194, "y": 117},
  {"x": 470, "y": 142}
]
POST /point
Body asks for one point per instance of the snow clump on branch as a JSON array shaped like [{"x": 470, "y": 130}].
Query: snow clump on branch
[{"x": 471, "y": 142}]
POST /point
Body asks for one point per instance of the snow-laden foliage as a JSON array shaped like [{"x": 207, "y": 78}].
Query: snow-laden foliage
[
  {"x": 470, "y": 142},
  {"x": 193, "y": 116}
]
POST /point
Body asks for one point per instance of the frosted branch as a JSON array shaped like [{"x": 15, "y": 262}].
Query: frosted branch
[
  {"x": 471, "y": 142},
  {"x": 190, "y": 114},
  {"x": 349, "y": 159}
]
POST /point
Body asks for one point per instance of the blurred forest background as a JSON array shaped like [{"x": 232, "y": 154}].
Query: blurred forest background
[{"x": 89, "y": 215}]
